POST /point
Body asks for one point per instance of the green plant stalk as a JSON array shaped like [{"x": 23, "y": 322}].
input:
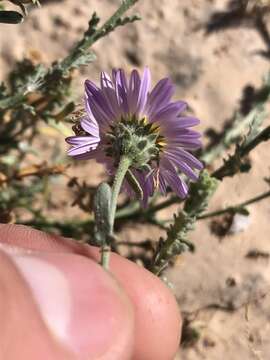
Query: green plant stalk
[
  {"x": 107, "y": 27},
  {"x": 176, "y": 241},
  {"x": 136, "y": 211},
  {"x": 123, "y": 167},
  {"x": 235, "y": 207},
  {"x": 232, "y": 134},
  {"x": 78, "y": 51},
  {"x": 69, "y": 228},
  {"x": 233, "y": 164}
]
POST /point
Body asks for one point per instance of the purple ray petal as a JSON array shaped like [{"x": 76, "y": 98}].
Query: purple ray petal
[
  {"x": 89, "y": 111},
  {"x": 159, "y": 97},
  {"x": 81, "y": 140},
  {"x": 109, "y": 93},
  {"x": 192, "y": 144},
  {"x": 105, "y": 81},
  {"x": 187, "y": 121},
  {"x": 102, "y": 118},
  {"x": 77, "y": 150},
  {"x": 176, "y": 183},
  {"x": 146, "y": 182},
  {"x": 144, "y": 89},
  {"x": 183, "y": 167},
  {"x": 90, "y": 126},
  {"x": 133, "y": 91},
  {"x": 179, "y": 138},
  {"x": 98, "y": 103},
  {"x": 174, "y": 133},
  {"x": 172, "y": 178},
  {"x": 162, "y": 184},
  {"x": 170, "y": 112},
  {"x": 186, "y": 156},
  {"x": 121, "y": 89},
  {"x": 148, "y": 189}
]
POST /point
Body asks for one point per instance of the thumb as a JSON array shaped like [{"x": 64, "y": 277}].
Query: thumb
[{"x": 61, "y": 306}]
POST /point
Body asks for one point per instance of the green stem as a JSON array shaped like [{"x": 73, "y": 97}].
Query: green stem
[
  {"x": 124, "y": 164},
  {"x": 235, "y": 207},
  {"x": 71, "y": 228},
  {"x": 134, "y": 211},
  {"x": 129, "y": 211},
  {"x": 231, "y": 135},
  {"x": 232, "y": 165},
  {"x": 78, "y": 51},
  {"x": 164, "y": 204},
  {"x": 107, "y": 27}
]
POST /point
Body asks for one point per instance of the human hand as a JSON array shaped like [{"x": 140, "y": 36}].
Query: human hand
[{"x": 56, "y": 302}]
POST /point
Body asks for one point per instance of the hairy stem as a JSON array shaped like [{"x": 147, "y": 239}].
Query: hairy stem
[
  {"x": 124, "y": 164},
  {"x": 176, "y": 241}
]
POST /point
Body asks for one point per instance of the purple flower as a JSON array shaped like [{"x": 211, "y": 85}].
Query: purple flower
[{"x": 130, "y": 102}]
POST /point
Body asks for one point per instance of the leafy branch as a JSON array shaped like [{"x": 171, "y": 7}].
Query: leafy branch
[
  {"x": 200, "y": 194},
  {"x": 38, "y": 170},
  {"x": 234, "y": 163},
  {"x": 79, "y": 56},
  {"x": 231, "y": 135},
  {"x": 176, "y": 241}
]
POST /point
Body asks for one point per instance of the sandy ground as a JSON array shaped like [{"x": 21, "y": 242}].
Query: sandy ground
[{"x": 223, "y": 294}]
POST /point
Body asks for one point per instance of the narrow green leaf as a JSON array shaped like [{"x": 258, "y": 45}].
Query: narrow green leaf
[{"x": 102, "y": 202}]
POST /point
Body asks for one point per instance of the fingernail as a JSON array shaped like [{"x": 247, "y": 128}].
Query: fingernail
[
  {"x": 80, "y": 303},
  {"x": 50, "y": 288}
]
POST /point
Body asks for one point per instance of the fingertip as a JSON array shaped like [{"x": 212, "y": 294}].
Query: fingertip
[
  {"x": 77, "y": 305},
  {"x": 158, "y": 320},
  {"x": 156, "y": 312}
]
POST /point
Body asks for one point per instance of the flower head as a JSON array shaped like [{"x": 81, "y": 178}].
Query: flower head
[{"x": 125, "y": 118}]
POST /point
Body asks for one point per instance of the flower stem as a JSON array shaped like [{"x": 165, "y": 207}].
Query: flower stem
[{"x": 124, "y": 164}]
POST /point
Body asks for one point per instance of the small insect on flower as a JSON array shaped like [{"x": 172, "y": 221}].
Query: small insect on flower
[{"x": 124, "y": 117}]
